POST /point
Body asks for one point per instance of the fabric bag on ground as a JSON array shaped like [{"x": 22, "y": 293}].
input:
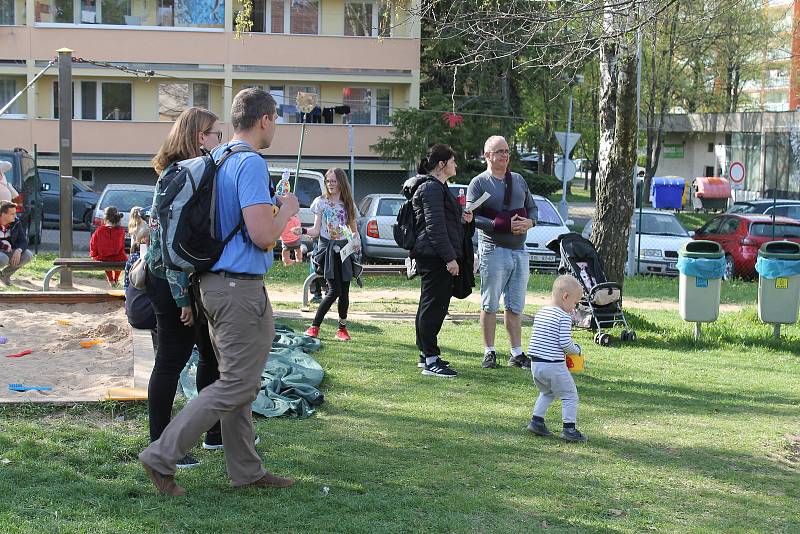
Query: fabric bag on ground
[{"x": 289, "y": 382}]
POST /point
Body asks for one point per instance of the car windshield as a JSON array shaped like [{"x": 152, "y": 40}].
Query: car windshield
[
  {"x": 661, "y": 224},
  {"x": 389, "y": 207},
  {"x": 125, "y": 199},
  {"x": 781, "y": 230},
  {"x": 743, "y": 208},
  {"x": 547, "y": 215},
  {"x": 82, "y": 186}
]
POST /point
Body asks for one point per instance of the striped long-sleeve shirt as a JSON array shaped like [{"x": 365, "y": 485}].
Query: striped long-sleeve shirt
[{"x": 551, "y": 338}]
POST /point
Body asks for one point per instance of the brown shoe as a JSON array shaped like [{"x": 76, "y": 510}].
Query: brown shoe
[
  {"x": 270, "y": 481},
  {"x": 165, "y": 484}
]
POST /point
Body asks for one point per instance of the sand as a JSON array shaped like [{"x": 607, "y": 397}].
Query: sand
[{"x": 58, "y": 360}]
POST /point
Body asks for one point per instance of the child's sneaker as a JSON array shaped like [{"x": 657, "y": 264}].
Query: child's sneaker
[
  {"x": 519, "y": 361},
  {"x": 540, "y": 429},
  {"x": 572, "y": 434},
  {"x": 313, "y": 331},
  {"x": 342, "y": 334}
]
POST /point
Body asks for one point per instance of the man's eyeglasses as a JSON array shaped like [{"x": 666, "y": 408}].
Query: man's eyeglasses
[
  {"x": 502, "y": 152},
  {"x": 218, "y": 134}
]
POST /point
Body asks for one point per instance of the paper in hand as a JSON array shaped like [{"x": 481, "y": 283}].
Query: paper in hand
[{"x": 472, "y": 206}]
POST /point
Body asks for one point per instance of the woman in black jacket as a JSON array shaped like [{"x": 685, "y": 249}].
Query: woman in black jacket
[{"x": 439, "y": 222}]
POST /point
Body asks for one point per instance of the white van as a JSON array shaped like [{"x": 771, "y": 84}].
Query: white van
[{"x": 308, "y": 187}]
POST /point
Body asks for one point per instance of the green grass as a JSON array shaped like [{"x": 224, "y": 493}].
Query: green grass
[
  {"x": 692, "y": 221},
  {"x": 575, "y": 194},
  {"x": 684, "y": 437}
]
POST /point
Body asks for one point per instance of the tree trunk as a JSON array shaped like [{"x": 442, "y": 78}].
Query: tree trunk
[{"x": 617, "y": 153}]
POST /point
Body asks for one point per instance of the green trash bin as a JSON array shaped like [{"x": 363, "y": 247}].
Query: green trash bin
[
  {"x": 701, "y": 265},
  {"x": 778, "y": 268}
]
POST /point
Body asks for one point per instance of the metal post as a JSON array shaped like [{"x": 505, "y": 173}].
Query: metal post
[
  {"x": 351, "y": 142},
  {"x": 563, "y": 208},
  {"x": 697, "y": 332},
  {"x": 632, "y": 236},
  {"x": 65, "y": 160},
  {"x": 776, "y": 331},
  {"x": 300, "y": 150}
]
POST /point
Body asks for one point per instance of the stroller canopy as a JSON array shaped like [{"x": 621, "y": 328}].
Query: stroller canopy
[{"x": 580, "y": 259}]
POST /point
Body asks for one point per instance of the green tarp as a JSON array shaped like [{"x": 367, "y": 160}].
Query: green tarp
[{"x": 290, "y": 379}]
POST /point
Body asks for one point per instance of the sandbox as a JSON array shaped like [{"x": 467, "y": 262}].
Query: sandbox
[{"x": 54, "y": 332}]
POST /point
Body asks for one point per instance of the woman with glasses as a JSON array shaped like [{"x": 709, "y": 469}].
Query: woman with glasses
[
  {"x": 334, "y": 223},
  {"x": 178, "y": 325}
]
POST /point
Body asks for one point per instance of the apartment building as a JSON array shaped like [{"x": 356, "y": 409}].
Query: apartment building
[
  {"x": 360, "y": 58},
  {"x": 778, "y": 87}
]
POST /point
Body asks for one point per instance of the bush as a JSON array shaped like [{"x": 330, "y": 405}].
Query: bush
[{"x": 541, "y": 184}]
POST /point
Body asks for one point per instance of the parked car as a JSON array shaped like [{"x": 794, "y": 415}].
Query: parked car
[
  {"x": 662, "y": 235},
  {"x": 781, "y": 206},
  {"x": 24, "y": 178},
  {"x": 742, "y": 235},
  {"x": 549, "y": 225},
  {"x": 123, "y": 197},
  {"x": 84, "y": 199},
  {"x": 377, "y": 213}
]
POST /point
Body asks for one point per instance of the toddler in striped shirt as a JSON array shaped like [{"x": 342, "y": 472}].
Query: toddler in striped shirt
[{"x": 551, "y": 341}]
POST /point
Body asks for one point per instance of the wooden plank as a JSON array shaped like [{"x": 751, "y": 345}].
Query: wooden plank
[
  {"x": 89, "y": 265},
  {"x": 143, "y": 357},
  {"x": 59, "y": 297}
]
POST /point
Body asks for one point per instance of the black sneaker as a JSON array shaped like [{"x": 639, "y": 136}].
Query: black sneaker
[
  {"x": 490, "y": 360},
  {"x": 316, "y": 299},
  {"x": 539, "y": 429},
  {"x": 572, "y": 434},
  {"x": 187, "y": 462},
  {"x": 421, "y": 362},
  {"x": 519, "y": 361},
  {"x": 440, "y": 369},
  {"x": 213, "y": 441}
]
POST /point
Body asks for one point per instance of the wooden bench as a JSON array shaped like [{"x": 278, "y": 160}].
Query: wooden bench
[
  {"x": 80, "y": 264},
  {"x": 369, "y": 270}
]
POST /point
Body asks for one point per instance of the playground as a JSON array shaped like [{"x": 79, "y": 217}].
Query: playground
[{"x": 684, "y": 435}]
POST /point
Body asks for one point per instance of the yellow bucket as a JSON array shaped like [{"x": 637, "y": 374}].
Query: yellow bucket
[{"x": 575, "y": 363}]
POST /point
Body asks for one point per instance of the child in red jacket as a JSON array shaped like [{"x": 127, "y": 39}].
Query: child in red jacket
[{"x": 108, "y": 242}]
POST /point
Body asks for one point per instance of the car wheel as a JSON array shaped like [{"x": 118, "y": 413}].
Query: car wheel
[
  {"x": 729, "y": 268},
  {"x": 87, "y": 220}
]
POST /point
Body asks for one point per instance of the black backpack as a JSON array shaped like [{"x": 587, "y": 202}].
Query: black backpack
[
  {"x": 185, "y": 201},
  {"x": 405, "y": 232}
]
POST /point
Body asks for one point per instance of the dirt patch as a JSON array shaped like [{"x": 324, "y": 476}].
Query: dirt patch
[
  {"x": 54, "y": 332},
  {"x": 789, "y": 455}
]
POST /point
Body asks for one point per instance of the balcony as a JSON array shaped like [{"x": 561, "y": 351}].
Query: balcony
[
  {"x": 112, "y": 138},
  {"x": 317, "y": 54}
]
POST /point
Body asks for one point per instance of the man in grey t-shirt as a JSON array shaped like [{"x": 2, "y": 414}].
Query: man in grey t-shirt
[{"x": 503, "y": 222}]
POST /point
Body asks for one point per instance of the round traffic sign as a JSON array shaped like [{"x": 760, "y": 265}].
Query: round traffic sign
[
  {"x": 736, "y": 173},
  {"x": 565, "y": 170}
]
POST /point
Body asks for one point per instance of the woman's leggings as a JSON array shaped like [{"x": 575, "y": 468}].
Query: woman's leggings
[{"x": 337, "y": 289}]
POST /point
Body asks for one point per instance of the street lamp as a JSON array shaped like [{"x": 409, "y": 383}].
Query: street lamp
[{"x": 563, "y": 208}]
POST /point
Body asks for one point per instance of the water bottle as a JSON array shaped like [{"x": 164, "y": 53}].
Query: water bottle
[
  {"x": 462, "y": 199},
  {"x": 284, "y": 186}
]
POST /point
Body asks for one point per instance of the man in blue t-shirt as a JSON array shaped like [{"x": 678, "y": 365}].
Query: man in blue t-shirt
[{"x": 237, "y": 306}]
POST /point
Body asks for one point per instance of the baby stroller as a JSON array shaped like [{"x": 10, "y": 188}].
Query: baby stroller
[{"x": 601, "y": 305}]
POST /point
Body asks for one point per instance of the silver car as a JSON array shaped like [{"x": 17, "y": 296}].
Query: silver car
[{"x": 377, "y": 213}]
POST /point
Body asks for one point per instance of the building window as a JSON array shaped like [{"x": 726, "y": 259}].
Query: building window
[
  {"x": 92, "y": 100},
  {"x": 173, "y": 98},
  {"x": 8, "y": 89},
  {"x": 7, "y": 12},
  {"x": 186, "y": 13},
  {"x": 367, "y": 105},
  {"x": 287, "y": 106},
  {"x": 367, "y": 19},
  {"x": 286, "y": 16}
]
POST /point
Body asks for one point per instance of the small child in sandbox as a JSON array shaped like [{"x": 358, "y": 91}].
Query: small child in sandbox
[
  {"x": 551, "y": 341},
  {"x": 108, "y": 242}
]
